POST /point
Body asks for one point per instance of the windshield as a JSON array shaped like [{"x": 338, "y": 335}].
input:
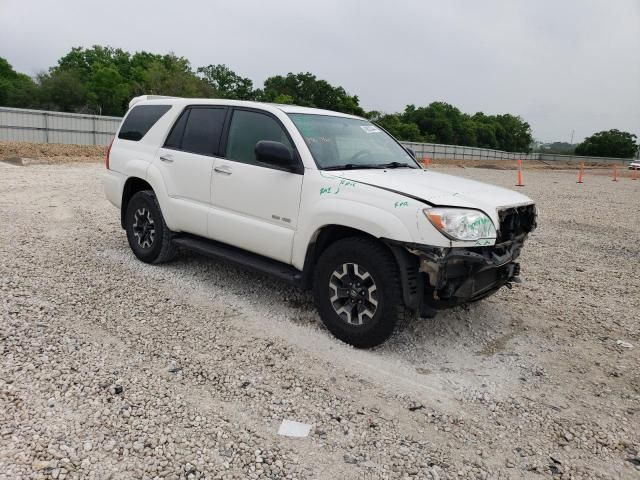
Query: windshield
[{"x": 343, "y": 143}]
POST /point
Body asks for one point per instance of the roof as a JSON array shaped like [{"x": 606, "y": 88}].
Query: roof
[{"x": 155, "y": 99}]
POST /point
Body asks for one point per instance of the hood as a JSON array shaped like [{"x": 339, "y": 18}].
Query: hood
[{"x": 440, "y": 189}]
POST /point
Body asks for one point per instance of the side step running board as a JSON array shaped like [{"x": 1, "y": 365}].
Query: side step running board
[{"x": 261, "y": 264}]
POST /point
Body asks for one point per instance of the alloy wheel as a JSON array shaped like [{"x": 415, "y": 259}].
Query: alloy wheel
[{"x": 354, "y": 294}]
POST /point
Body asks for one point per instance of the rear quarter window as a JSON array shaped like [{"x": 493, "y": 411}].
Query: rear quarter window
[{"x": 140, "y": 120}]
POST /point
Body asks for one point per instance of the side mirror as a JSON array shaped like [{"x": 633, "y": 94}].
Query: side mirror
[
  {"x": 275, "y": 154},
  {"x": 411, "y": 152}
]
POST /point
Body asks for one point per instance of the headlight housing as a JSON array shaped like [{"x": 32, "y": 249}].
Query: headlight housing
[{"x": 461, "y": 224}]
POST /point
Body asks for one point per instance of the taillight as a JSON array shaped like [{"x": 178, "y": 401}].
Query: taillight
[{"x": 106, "y": 159}]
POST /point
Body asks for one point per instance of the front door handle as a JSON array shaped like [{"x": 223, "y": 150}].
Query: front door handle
[
  {"x": 223, "y": 170},
  {"x": 166, "y": 158}
]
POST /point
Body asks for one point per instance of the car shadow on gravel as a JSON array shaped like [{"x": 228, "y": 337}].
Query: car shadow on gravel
[
  {"x": 462, "y": 348},
  {"x": 458, "y": 340}
]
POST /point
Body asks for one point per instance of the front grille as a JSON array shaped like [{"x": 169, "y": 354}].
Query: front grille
[{"x": 516, "y": 221}]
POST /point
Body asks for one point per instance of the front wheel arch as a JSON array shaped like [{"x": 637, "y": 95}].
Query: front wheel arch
[{"x": 324, "y": 238}]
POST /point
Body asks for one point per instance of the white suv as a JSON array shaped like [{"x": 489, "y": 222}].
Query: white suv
[{"x": 320, "y": 199}]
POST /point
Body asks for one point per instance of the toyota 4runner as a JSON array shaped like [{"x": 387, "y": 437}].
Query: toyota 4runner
[{"x": 322, "y": 200}]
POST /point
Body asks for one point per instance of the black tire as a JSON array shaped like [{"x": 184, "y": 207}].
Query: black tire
[
  {"x": 151, "y": 244},
  {"x": 372, "y": 258}
]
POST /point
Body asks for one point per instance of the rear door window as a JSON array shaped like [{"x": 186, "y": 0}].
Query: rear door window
[
  {"x": 198, "y": 130},
  {"x": 174, "y": 140},
  {"x": 140, "y": 120}
]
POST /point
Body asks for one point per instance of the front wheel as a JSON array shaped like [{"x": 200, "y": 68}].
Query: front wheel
[
  {"x": 357, "y": 291},
  {"x": 148, "y": 235}
]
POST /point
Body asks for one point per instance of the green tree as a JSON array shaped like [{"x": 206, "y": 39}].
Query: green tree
[
  {"x": 446, "y": 124},
  {"x": 103, "y": 79},
  {"x": 306, "y": 90},
  {"x": 400, "y": 129},
  {"x": 226, "y": 83},
  {"x": 513, "y": 133},
  {"x": 108, "y": 91},
  {"x": 16, "y": 89},
  {"x": 106, "y": 78},
  {"x": 439, "y": 120},
  {"x": 611, "y": 143},
  {"x": 174, "y": 77},
  {"x": 62, "y": 90}
]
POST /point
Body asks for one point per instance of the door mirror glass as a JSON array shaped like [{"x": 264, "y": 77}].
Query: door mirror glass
[
  {"x": 411, "y": 152},
  {"x": 274, "y": 154}
]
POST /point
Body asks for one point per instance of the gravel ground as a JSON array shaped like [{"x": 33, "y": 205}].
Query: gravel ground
[{"x": 116, "y": 369}]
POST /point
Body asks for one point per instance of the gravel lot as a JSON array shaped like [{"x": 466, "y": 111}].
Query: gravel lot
[{"x": 116, "y": 369}]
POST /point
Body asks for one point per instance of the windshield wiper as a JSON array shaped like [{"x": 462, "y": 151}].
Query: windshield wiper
[
  {"x": 348, "y": 166},
  {"x": 352, "y": 166},
  {"x": 395, "y": 165}
]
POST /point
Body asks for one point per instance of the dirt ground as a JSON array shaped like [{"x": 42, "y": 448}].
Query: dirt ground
[
  {"x": 51, "y": 152},
  {"x": 116, "y": 369}
]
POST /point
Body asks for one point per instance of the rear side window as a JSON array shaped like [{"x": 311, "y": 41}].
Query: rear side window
[
  {"x": 198, "y": 130},
  {"x": 248, "y": 128},
  {"x": 140, "y": 120}
]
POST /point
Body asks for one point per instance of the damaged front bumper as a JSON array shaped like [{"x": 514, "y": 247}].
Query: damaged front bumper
[
  {"x": 462, "y": 275},
  {"x": 436, "y": 278}
]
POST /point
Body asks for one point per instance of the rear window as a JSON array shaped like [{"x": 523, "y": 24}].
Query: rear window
[
  {"x": 198, "y": 130},
  {"x": 140, "y": 120}
]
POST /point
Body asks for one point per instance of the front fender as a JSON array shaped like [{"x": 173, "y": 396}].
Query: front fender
[{"x": 369, "y": 219}]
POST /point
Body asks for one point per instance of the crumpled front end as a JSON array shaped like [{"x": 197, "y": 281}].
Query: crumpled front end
[
  {"x": 445, "y": 277},
  {"x": 461, "y": 275}
]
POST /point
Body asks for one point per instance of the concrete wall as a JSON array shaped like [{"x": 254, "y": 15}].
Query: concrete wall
[
  {"x": 454, "y": 152},
  {"x": 40, "y": 126}
]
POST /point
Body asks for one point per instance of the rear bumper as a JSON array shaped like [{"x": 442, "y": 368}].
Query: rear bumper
[{"x": 113, "y": 183}]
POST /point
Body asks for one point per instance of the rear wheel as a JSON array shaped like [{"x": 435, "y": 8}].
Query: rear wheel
[
  {"x": 357, "y": 291},
  {"x": 147, "y": 233}
]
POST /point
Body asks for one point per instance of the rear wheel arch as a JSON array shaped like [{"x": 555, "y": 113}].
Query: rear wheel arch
[{"x": 132, "y": 186}]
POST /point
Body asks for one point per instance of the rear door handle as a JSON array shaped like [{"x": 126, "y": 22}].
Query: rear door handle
[
  {"x": 224, "y": 170},
  {"x": 166, "y": 158}
]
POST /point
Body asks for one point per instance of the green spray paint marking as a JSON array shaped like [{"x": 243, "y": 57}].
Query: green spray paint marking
[
  {"x": 347, "y": 183},
  {"x": 482, "y": 243},
  {"x": 479, "y": 221},
  {"x": 329, "y": 191}
]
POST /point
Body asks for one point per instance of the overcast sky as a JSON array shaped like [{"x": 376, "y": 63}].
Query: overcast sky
[{"x": 562, "y": 65}]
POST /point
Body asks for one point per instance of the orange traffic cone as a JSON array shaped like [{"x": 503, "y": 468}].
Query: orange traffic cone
[
  {"x": 520, "y": 184},
  {"x": 615, "y": 173},
  {"x": 425, "y": 161},
  {"x": 581, "y": 173}
]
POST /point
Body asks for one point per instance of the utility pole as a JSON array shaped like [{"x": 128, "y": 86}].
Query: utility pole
[{"x": 572, "y": 132}]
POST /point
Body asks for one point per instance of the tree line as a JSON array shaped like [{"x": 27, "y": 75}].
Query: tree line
[{"x": 102, "y": 80}]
